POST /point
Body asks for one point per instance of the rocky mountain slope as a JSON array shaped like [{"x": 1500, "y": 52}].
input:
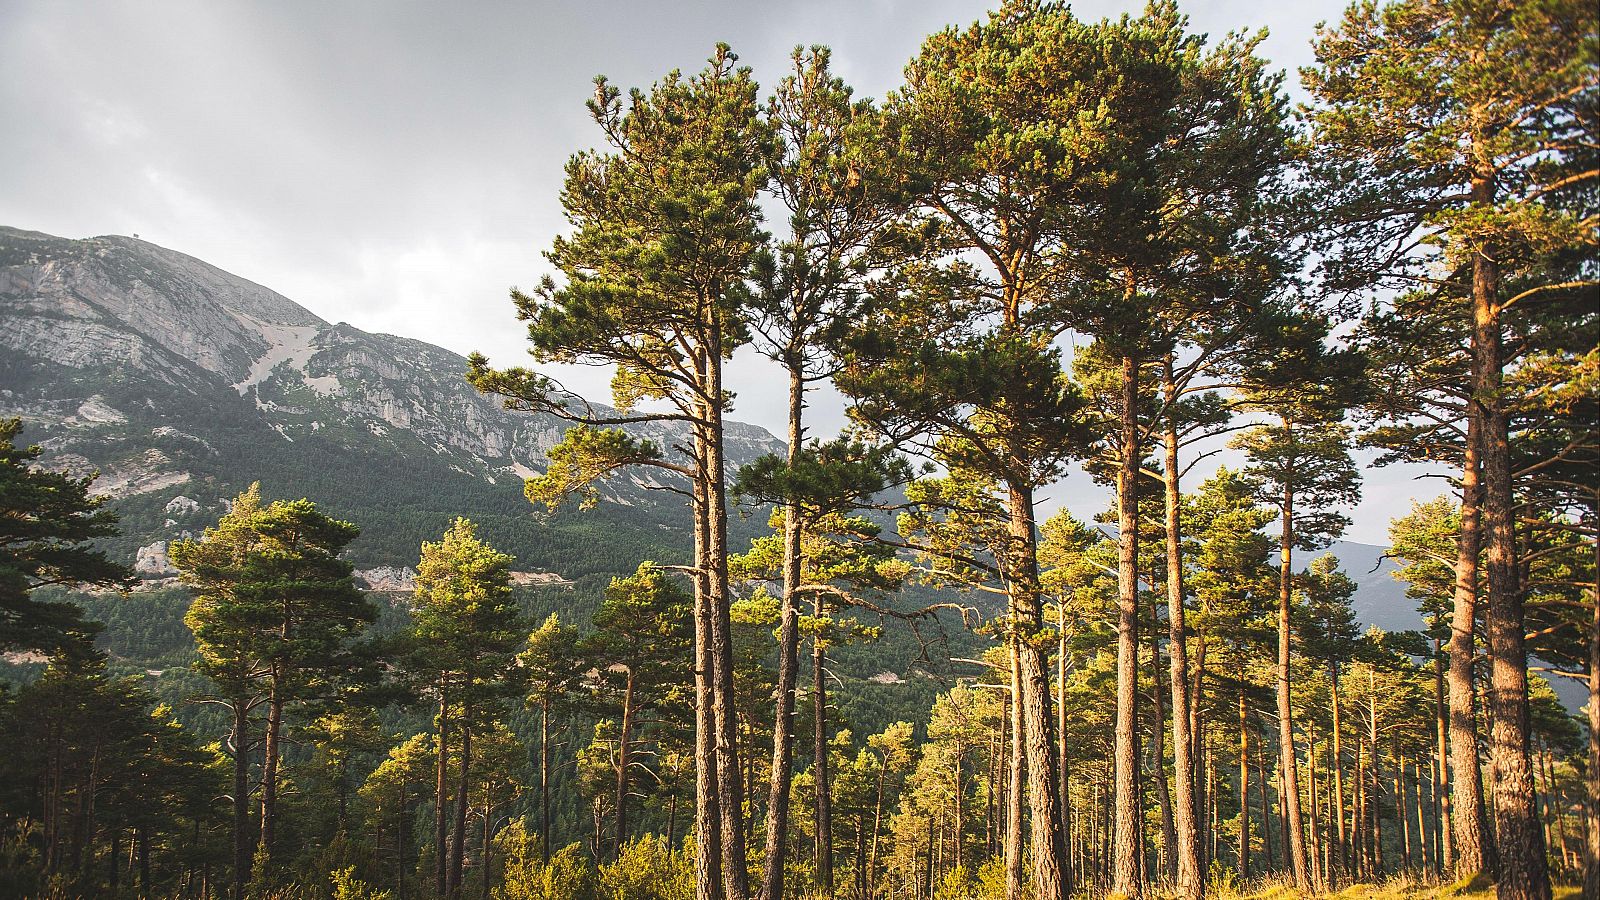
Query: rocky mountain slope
[{"x": 181, "y": 383}]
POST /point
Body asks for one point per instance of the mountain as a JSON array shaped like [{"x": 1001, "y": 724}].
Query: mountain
[{"x": 181, "y": 383}]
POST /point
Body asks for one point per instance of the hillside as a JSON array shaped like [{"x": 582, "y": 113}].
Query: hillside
[{"x": 181, "y": 383}]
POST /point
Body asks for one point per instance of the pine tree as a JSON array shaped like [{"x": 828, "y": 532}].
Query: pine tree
[
  {"x": 47, "y": 521},
  {"x": 1468, "y": 128},
  {"x": 1305, "y": 471},
  {"x": 466, "y": 631},
  {"x": 642, "y": 633},
  {"x": 666, "y": 231},
  {"x": 552, "y": 666},
  {"x": 809, "y": 287},
  {"x": 275, "y": 617}
]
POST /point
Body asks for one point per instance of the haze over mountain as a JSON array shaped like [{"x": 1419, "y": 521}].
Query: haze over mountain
[{"x": 181, "y": 383}]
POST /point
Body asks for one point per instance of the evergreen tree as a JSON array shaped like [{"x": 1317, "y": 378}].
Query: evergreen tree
[
  {"x": 552, "y": 666},
  {"x": 642, "y": 633},
  {"x": 1468, "y": 128},
  {"x": 666, "y": 230},
  {"x": 47, "y": 521},
  {"x": 809, "y": 288},
  {"x": 466, "y": 631},
  {"x": 275, "y": 618}
]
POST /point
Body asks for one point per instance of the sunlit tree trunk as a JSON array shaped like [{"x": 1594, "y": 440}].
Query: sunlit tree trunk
[
  {"x": 1190, "y": 884},
  {"x": 1128, "y": 844},
  {"x": 1524, "y": 872}
]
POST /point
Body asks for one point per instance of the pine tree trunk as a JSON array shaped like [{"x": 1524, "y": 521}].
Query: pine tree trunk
[
  {"x": 1468, "y": 827},
  {"x": 1158, "y": 754},
  {"x": 735, "y": 873},
  {"x": 1338, "y": 767},
  {"x": 1266, "y": 803},
  {"x": 1050, "y": 871},
  {"x": 1289, "y": 774},
  {"x": 458, "y": 846},
  {"x": 441, "y": 808},
  {"x": 1401, "y": 814},
  {"x": 544, "y": 779},
  {"x": 1441, "y": 768},
  {"x": 1524, "y": 874},
  {"x": 1013, "y": 849},
  {"x": 1190, "y": 883},
  {"x": 243, "y": 841},
  {"x": 708, "y": 815},
  {"x": 1314, "y": 833},
  {"x": 1244, "y": 789},
  {"x": 624, "y": 740},
  {"x": 269, "y": 768},
  {"x": 823, "y": 808},
  {"x": 1424, "y": 850},
  {"x": 1591, "y": 840},
  {"x": 1128, "y": 844},
  {"x": 788, "y": 669},
  {"x": 1375, "y": 805}
]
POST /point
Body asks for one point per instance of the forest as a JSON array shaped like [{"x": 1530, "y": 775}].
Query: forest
[{"x": 1112, "y": 246}]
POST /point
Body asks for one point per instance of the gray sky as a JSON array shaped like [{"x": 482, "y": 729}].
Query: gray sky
[{"x": 395, "y": 165}]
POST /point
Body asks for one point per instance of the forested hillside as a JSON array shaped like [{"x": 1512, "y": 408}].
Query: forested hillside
[{"x": 293, "y": 610}]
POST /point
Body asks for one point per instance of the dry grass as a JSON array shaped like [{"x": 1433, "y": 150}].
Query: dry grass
[{"x": 1393, "y": 889}]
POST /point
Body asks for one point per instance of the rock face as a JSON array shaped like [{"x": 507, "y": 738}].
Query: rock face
[
  {"x": 152, "y": 562},
  {"x": 162, "y": 373},
  {"x": 388, "y": 578}
]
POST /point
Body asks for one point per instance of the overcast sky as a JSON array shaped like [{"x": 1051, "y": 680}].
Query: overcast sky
[{"x": 395, "y": 165}]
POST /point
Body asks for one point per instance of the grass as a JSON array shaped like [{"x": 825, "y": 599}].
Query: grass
[{"x": 1392, "y": 889}]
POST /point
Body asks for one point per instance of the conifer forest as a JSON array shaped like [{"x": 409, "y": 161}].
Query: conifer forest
[{"x": 1061, "y": 245}]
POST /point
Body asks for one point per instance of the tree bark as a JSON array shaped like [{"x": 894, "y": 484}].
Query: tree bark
[
  {"x": 788, "y": 667},
  {"x": 1128, "y": 844},
  {"x": 1244, "y": 789},
  {"x": 1524, "y": 873},
  {"x": 1441, "y": 768},
  {"x": 458, "y": 845},
  {"x": 1289, "y": 773},
  {"x": 1015, "y": 885},
  {"x": 1338, "y": 767},
  {"x": 1158, "y": 754},
  {"x": 1468, "y": 826},
  {"x": 1591, "y": 840},
  {"x": 1190, "y": 884},
  {"x": 823, "y": 808},
  {"x": 735, "y": 873},
  {"x": 1051, "y": 873},
  {"x": 242, "y": 842},
  {"x": 708, "y": 815}
]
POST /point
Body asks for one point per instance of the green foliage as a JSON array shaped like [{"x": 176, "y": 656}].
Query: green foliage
[
  {"x": 346, "y": 886},
  {"x": 274, "y": 601},
  {"x": 466, "y": 625},
  {"x": 570, "y": 874},
  {"x": 648, "y": 869},
  {"x": 47, "y": 521}
]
